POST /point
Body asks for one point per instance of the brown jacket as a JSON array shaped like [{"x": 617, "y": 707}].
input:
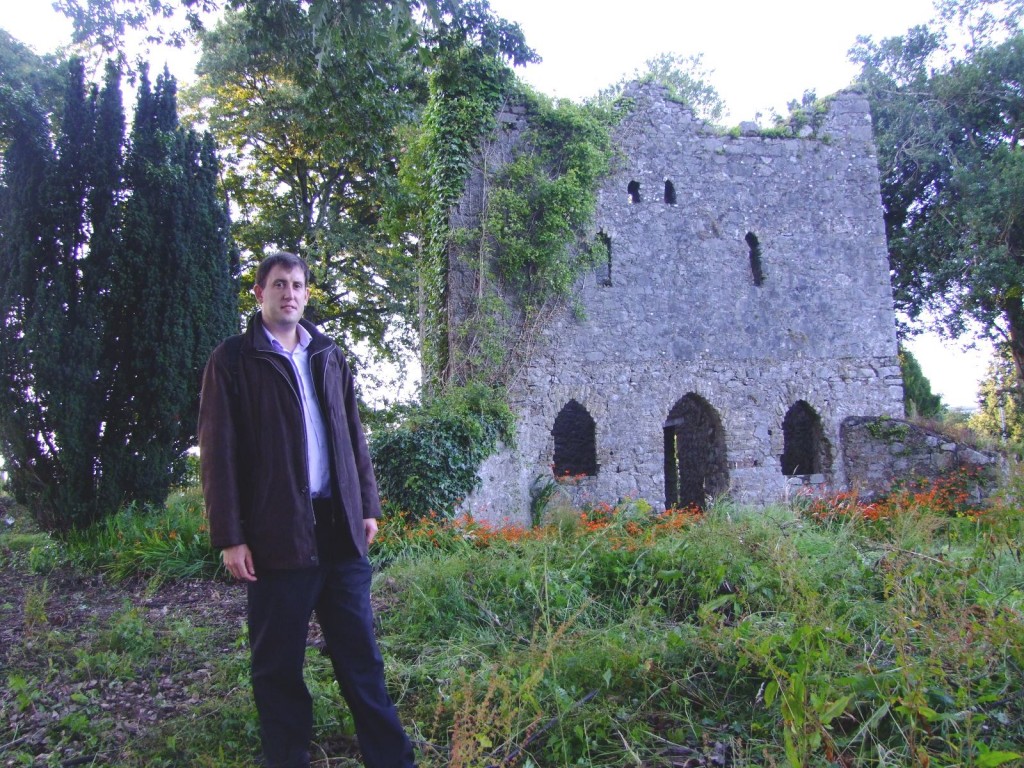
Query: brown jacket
[{"x": 252, "y": 450}]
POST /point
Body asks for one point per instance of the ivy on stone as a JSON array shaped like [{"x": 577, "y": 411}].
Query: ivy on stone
[{"x": 429, "y": 463}]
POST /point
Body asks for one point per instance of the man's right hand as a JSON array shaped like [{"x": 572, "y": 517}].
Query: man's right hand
[{"x": 238, "y": 561}]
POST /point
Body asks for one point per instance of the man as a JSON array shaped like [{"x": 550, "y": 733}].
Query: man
[{"x": 292, "y": 503}]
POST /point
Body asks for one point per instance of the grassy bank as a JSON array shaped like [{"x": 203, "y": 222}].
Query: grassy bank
[{"x": 832, "y": 633}]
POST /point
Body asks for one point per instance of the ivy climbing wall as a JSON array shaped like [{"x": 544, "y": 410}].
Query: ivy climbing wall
[{"x": 741, "y": 310}]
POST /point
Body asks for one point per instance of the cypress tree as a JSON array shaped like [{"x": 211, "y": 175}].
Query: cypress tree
[
  {"x": 918, "y": 398},
  {"x": 27, "y": 250},
  {"x": 173, "y": 294},
  {"x": 117, "y": 284},
  {"x": 70, "y": 356}
]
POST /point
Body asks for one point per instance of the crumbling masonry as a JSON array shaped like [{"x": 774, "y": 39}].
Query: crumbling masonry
[{"x": 744, "y": 312}]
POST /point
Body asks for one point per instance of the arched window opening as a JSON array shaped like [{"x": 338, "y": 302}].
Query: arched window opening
[
  {"x": 670, "y": 193},
  {"x": 634, "y": 191},
  {"x": 805, "y": 449},
  {"x": 606, "y": 242},
  {"x": 575, "y": 442},
  {"x": 696, "y": 467},
  {"x": 756, "y": 268}
]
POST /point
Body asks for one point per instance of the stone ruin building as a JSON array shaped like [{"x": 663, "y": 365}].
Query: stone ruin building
[{"x": 744, "y": 312}]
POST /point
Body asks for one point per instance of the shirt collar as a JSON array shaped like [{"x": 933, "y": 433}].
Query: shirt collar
[{"x": 305, "y": 337}]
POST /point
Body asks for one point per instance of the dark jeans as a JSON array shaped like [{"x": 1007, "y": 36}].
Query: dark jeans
[{"x": 280, "y": 606}]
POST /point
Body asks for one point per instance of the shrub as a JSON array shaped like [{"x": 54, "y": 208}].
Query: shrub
[{"x": 429, "y": 462}]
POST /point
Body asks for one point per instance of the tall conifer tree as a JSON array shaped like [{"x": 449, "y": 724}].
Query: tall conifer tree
[
  {"x": 120, "y": 285},
  {"x": 171, "y": 291}
]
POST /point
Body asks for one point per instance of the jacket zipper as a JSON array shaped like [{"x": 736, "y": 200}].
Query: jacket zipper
[{"x": 305, "y": 438}]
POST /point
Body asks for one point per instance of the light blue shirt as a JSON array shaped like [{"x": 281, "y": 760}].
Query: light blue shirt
[{"x": 316, "y": 430}]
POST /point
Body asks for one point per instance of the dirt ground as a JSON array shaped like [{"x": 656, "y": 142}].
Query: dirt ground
[{"x": 34, "y": 606}]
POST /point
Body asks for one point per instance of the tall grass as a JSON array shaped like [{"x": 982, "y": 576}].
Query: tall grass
[
  {"x": 170, "y": 542},
  {"x": 827, "y": 632},
  {"x": 768, "y": 636}
]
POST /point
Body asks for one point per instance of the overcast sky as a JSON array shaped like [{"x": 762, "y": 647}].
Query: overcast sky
[{"x": 760, "y": 54}]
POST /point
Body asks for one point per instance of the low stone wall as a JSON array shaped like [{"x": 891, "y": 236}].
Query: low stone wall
[{"x": 877, "y": 452}]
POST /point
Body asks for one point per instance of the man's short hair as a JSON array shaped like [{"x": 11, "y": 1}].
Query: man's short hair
[{"x": 280, "y": 258}]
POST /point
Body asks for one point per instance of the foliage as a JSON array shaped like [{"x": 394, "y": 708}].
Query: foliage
[
  {"x": 429, "y": 462},
  {"x": 541, "y": 201},
  {"x": 117, "y": 285},
  {"x": 1000, "y": 413},
  {"x": 535, "y": 240},
  {"x": 104, "y": 23},
  {"x": 685, "y": 78},
  {"x": 310, "y": 153},
  {"x": 315, "y": 106},
  {"x": 156, "y": 544},
  {"x": 466, "y": 89},
  {"x": 21, "y": 68},
  {"x": 755, "y": 635},
  {"x": 531, "y": 243},
  {"x": 952, "y": 494},
  {"x": 918, "y": 399},
  {"x": 808, "y": 112},
  {"x": 887, "y": 429},
  {"x": 739, "y": 637},
  {"x": 946, "y": 123}
]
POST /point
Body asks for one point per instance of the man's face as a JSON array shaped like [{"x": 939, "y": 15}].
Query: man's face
[{"x": 284, "y": 297}]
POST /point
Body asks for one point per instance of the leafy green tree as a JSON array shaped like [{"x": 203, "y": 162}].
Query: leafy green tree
[
  {"x": 316, "y": 112},
  {"x": 1000, "y": 411},
  {"x": 310, "y": 150},
  {"x": 685, "y": 78},
  {"x": 119, "y": 284},
  {"x": 918, "y": 398},
  {"x": 21, "y": 68},
  {"x": 947, "y": 123},
  {"x": 107, "y": 23}
]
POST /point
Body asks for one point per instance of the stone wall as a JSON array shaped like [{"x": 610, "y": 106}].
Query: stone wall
[
  {"x": 748, "y": 281},
  {"x": 877, "y": 453}
]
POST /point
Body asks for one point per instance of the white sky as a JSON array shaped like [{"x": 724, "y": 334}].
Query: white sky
[{"x": 761, "y": 55}]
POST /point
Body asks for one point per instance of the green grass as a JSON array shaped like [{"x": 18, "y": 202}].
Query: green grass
[
  {"x": 611, "y": 638},
  {"x": 155, "y": 544}
]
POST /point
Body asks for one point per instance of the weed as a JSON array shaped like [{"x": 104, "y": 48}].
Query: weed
[
  {"x": 34, "y": 609},
  {"x": 159, "y": 544}
]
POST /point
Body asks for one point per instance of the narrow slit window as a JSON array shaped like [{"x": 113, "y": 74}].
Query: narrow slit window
[
  {"x": 604, "y": 241},
  {"x": 634, "y": 191},
  {"x": 670, "y": 193},
  {"x": 756, "y": 268}
]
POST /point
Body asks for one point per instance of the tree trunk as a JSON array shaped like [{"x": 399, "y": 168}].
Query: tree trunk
[{"x": 1014, "y": 311}]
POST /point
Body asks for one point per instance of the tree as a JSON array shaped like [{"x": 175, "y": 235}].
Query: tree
[
  {"x": 918, "y": 398},
  {"x": 315, "y": 111},
  {"x": 21, "y": 68},
  {"x": 49, "y": 419},
  {"x": 1000, "y": 413},
  {"x": 948, "y": 124},
  {"x": 172, "y": 296},
  {"x": 686, "y": 79},
  {"x": 118, "y": 286},
  {"x": 310, "y": 151}
]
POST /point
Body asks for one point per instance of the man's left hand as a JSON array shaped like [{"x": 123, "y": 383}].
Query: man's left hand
[{"x": 370, "y": 529}]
